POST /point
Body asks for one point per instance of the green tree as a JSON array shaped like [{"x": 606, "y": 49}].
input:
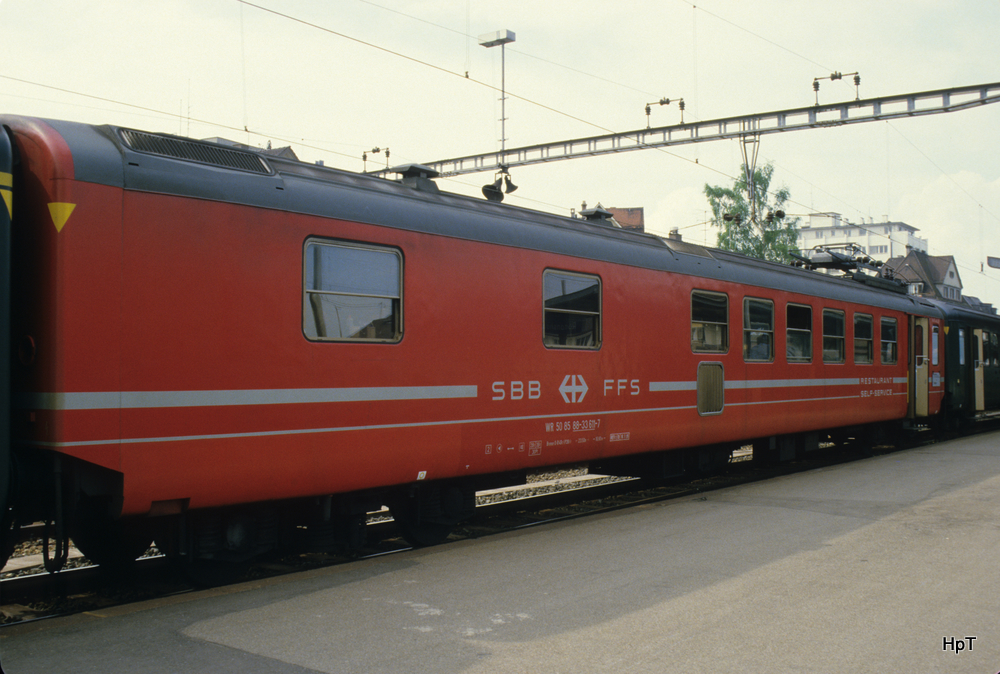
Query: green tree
[{"x": 766, "y": 232}]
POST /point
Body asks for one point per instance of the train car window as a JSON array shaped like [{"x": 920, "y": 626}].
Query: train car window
[
  {"x": 864, "y": 339},
  {"x": 572, "y": 308},
  {"x": 709, "y": 322},
  {"x": 889, "y": 344},
  {"x": 934, "y": 345},
  {"x": 833, "y": 336},
  {"x": 961, "y": 346},
  {"x": 758, "y": 330},
  {"x": 996, "y": 348},
  {"x": 798, "y": 333},
  {"x": 352, "y": 292}
]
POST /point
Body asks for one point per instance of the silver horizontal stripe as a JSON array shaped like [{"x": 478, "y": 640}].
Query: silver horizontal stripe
[
  {"x": 160, "y": 399},
  {"x": 804, "y": 400},
  {"x": 340, "y": 429},
  {"x": 673, "y": 386},
  {"x": 655, "y": 386},
  {"x": 790, "y": 383}
]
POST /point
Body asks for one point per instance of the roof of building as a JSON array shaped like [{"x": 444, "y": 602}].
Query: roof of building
[
  {"x": 919, "y": 267},
  {"x": 284, "y": 152},
  {"x": 630, "y": 218}
]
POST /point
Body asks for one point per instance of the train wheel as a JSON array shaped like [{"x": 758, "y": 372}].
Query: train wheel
[
  {"x": 111, "y": 544},
  {"x": 427, "y": 514},
  {"x": 709, "y": 460},
  {"x": 417, "y": 533}
]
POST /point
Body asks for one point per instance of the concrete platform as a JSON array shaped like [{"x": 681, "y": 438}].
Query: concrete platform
[{"x": 882, "y": 565}]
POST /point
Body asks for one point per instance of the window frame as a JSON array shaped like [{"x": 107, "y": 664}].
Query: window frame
[
  {"x": 863, "y": 318},
  {"x": 883, "y": 321},
  {"x": 842, "y": 337},
  {"x": 309, "y": 309},
  {"x": 598, "y": 323},
  {"x": 809, "y": 332},
  {"x": 749, "y": 331},
  {"x": 725, "y": 332}
]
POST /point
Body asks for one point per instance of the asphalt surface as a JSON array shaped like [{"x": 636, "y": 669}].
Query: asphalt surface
[{"x": 887, "y": 564}]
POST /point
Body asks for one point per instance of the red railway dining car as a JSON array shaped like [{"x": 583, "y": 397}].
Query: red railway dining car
[{"x": 223, "y": 350}]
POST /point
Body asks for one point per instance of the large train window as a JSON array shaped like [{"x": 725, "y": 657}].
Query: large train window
[
  {"x": 864, "y": 339},
  {"x": 833, "y": 336},
  {"x": 709, "y": 322},
  {"x": 572, "y": 307},
  {"x": 758, "y": 330},
  {"x": 890, "y": 349},
  {"x": 934, "y": 345},
  {"x": 798, "y": 333},
  {"x": 353, "y": 292}
]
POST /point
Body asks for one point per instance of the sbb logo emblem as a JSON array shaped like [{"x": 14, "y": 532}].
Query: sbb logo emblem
[{"x": 573, "y": 388}]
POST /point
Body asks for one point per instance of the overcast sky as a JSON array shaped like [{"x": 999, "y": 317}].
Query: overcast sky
[{"x": 335, "y": 78}]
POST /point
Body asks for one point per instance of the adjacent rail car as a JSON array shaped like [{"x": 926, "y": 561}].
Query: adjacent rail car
[
  {"x": 971, "y": 345},
  {"x": 232, "y": 352}
]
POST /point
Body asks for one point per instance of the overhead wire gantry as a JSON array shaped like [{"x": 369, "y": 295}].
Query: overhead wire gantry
[{"x": 745, "y": 127}]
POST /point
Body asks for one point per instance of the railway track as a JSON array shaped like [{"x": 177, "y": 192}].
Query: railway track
[{"x": 39, "y": 595}]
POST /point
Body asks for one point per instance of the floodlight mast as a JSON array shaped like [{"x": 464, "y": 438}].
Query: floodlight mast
[
  {"x": 818, "y": 116},
  {"x": 501, "y": 37}
]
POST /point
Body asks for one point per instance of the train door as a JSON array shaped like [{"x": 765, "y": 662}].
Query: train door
[
  {"x": 977, "y": 369},
  {"x": 919, "y": 367},
  {"x": 991, "y": 369},
  {"x": 935, "y": 375}
]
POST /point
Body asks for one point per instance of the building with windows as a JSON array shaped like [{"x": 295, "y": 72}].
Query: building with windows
[
  {"x": 879, "y": 240},
  {"x": 928, "y": 275}
]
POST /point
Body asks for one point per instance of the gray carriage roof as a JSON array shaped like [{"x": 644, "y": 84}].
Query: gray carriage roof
[{"x": 173, "y": 165}]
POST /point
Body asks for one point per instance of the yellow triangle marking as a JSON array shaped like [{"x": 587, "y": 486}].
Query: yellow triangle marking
[
  {"x": 8, "y": 198},
  {"x": 60, "y": 214}
]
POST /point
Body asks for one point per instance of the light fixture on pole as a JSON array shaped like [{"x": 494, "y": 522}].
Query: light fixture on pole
[
  {"x": 500, "y": 37},
  {"x": 493, "y": 191}
]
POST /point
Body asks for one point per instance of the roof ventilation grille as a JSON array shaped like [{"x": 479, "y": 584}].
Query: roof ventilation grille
[{"x": 187, "y": 150}]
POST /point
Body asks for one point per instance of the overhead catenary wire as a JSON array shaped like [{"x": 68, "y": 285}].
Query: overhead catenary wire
[{"x": 354, "y": 158}]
